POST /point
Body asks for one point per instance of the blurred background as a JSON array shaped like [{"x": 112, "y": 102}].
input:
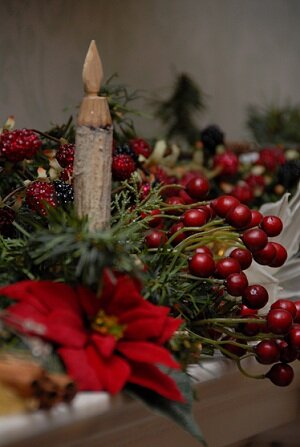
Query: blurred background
[{"x": 239, "y": 52}]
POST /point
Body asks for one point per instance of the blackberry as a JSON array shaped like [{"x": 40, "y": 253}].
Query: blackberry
[
  {"x": 64, "y": 192},
  {"x": 211, "y": 137}
]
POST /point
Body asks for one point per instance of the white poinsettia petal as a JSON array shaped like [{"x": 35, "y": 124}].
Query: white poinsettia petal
[{"x": 280, "y": 208}]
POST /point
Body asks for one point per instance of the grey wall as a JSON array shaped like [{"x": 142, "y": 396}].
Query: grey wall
[{"x": 238, "y": 51}]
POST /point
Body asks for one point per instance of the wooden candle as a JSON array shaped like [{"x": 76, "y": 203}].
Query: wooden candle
[{"x": 93, "y": 155}]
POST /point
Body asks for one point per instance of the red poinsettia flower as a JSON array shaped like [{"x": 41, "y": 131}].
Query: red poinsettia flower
[{"x": 104, "y": 342}]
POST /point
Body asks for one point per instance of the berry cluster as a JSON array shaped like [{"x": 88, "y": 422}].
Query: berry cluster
[
  {"x": 65, "y": 157},
  {"x": 19, "y": 145}
]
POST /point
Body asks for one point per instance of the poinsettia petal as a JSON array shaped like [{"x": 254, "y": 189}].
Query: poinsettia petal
[
  {"x": 49, "y": 294},
  {"x": 105, "y": 344},
  {"x": 20, "y": 291},
  {"x": 78, "y": 367},
  {"x": 150, "y": 376},
  {"x": 171, "y": 325},
  {"x": 22, "y": 314},
  {"x": 113, "y": 372},
  {"x": 66, "y": 328},
  {"x": 125, "y": 296},
  {"x": 142, "y": 351},
  {"x": 88, "y": 300},
  {"x": 144, "y": 327}
]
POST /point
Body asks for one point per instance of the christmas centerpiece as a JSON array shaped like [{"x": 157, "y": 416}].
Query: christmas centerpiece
[{"x": 124, "y": 286}]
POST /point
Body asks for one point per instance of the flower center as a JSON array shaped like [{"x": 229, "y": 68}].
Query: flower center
[{"x": 108, "y": 324}]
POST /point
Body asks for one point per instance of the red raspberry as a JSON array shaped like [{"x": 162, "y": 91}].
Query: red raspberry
[
  {"x": 67, "y": 174},
  {"x": 228, "y": 161},
  {"x": 65, "y": 155},
  {"x": 40, "y": 193},
  {"x": 270, "y": 158},
  {"x": 256, "y": 182},
  {"x": 19, "y": 145},
  {"x": 140, "y": 147},
  {"x": 122, "y": 166}
]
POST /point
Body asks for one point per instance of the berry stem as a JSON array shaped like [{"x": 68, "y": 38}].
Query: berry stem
[
  {"x": 244, "y": 372},
  {"x": 45, "y": 135}
]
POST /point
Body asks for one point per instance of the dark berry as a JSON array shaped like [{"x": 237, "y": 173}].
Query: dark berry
[
  {"x": 64, "y": 192},
  {"x": 255, "y": 296},
  {"x": 281, "y": 374},
  {"x": 202, "y": 265},
  {"x": 279, "y": 321},
  {"x": 194, "y": 218},
  {"x": 211, "y": 137},
  {"x": 155, "y": 239},
  {"x": 180, "y": 237},
  {"x": 236, "y": 283},
  {"x": 255, "y": 239},
  {"x": 288, "y": 353},
  {"x": 227, "y": 266},
  {"x": 266, "y": 255},
  {"x": 198, "y": 187},
  {"x": 223, "y": 204},
  {"x": 267, "y": 352},
  {"x": 280, "y": 257},
  {"x": 272, "y": 225},
  {"x": 297, "y": 317},
  {"x": 256, "y": 218},
  {"x": 243, "y": 256},
  {"x": 294, "y": 337},
  {"x": 286, "y": 305},
  {"x": 239, "y": 216}
]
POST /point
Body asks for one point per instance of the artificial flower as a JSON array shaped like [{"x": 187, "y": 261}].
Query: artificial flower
[{"x": 104, "y": 342}]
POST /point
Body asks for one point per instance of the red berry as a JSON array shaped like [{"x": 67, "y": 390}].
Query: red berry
[
  {"x": 155, "y": 239},
  {"x": 255, "y": 239},
  {"x": 286, "y": 305},
  {"x": 238, "y": 351},
  {"x": 256, "y": 218},
  {"x": 228, "y": 162},
  {"x": 140, "y": 147},
  {"x": 19, "y": 145},
  {"x": 297, "y": 317},
  {"x": 279, "y": 321},
  {"x": 204, "y": 249},
  {"x": 173, "y": 229},
  {"x": 255, "y": 296},
  {"x": 67, "y": 174},
  {"x": 281, "y": 374},
  {"x": 198, "y": 187},
  {"x": 243, "y": 193},
  {"x": 38, "y": 194},
  {"x": 267, "y": 352},
  {"x": 239, "y": 216},
  {"x": 243, "y": 256},
  {"x": 185, "y": 197},
  {"x": 202, "y": 265},
  {"x": 176, "y": 202},
  {"x": 227, "y": 266},
  {"x": 194, "y": 218},
  {"x": 65, "y": 155},
  {"x": 280, "y": 257},
  {"x": 294, "y": 337},
  {"x": 223, "y": 204},
  {"x": 250, "y": 329},
  {"x": 266, "y": 255},
  {"x": 246, "y": 311},
  {"x": 156, "y": 220},
  {"x": 236, "y": 283},
  {"x": 272, "y": 225},
  {"x": 288, "y": 353},
  {"x": 123, "y": 166}
]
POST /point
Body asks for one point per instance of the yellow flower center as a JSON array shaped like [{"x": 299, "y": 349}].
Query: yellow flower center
[{"x": 108, "y": 324}]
